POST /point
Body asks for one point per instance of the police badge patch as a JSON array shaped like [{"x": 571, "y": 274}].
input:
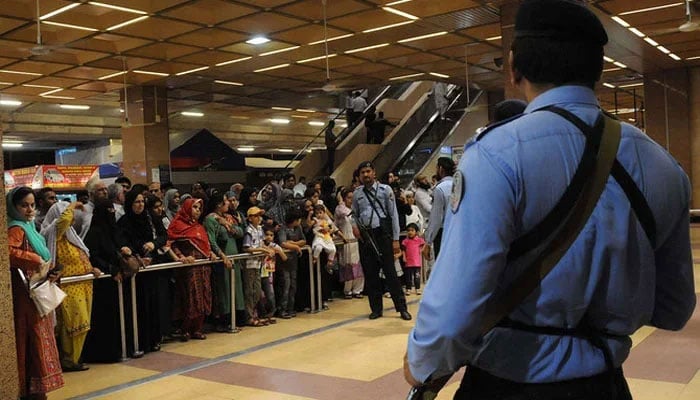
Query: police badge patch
[{"x": 457, "y": 190}]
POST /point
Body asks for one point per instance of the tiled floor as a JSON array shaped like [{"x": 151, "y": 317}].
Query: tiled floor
[{"x": 339, "y": 353}]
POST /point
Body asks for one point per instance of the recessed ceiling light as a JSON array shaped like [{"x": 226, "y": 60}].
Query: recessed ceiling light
[
  {"x": 693, "y": 58},
  {"x": 221, "y": 64},
  {"x": 257, "y": 40},
  {"x": 315, "y": 58},
  {"x": 140, "y": 71},
  {"x": 494, "y": 38},
  {"x": 381, "y": 28},
  {"x": 612, "y": 69},
  {"x": 393, "y": 3},
  {"x": 74, "y": 107},
  {"x": 332, "y": 39},
  {"x": 306, "y": 110},
  {"x": 129, "y": 22},
  {"x": 632, "y": 85},
  {"x": 399, "y": 12},
  {"x": 299, "y": 116},
  {"x": 376, "y": 46},
  {"x": 285, "y": 150},
  {"x": 228, "y": 83},
  {"x": 279, "y": 121},
  {"x": 125, "y": 9},
  {"x": 316, "y": 123},
  {"x": 11, "y": 145},
  {"x": 245, "y": 148},
  {"x": 6, "y": 83},
  {"x": 405, "y": 76},
  {"x": 46, "y": 96},
  {"x": 268, "y": 53},
  {"x": 60, "y": 10},
  {"x": 51, "y": 92},
  {"x": 191, "y": 71},
  {"x": 39, "y": 86},
  {"x": 664, "y": 50},
  {"x": 421, "y": 37},
  {"x": 439, "y": 75},
  {"x": 271, "y": 68},
  {"x": 79, "y": 27},
  {"x": 10, "y": 103},
  {"x": 192, "y": 114},
  {"x": 675, "y": 57},
  {"x": 621, "y": 21},
  {"x": 608, "y": 59}
]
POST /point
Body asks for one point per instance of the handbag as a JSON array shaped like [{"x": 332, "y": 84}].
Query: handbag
[
  {"x": 46, "y": 295},
  {"x": 130, "y": 264}
]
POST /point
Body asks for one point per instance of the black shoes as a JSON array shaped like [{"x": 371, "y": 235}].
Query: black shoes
[
  {"x": 375, "y": 315},
  {"x": 405, "y": 315}
]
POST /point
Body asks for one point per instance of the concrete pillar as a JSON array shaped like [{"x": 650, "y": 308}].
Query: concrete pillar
[
  {"x": 8, "y": 357},
  {"x": 666, "y": 113},
  {"x": 694, "y": 132},
  {"x": 145, "y": 142}
]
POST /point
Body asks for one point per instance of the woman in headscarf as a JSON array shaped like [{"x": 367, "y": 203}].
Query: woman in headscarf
[
  {"x": 103, "y": 342},
  {"x": 73, "y": 257},
  {"x": 37, "y": 355},
  {"x": 247, "y": 199},
  {"x": 138, "y": 232},
  {"x": 171, "y": 204},
  {"x": 189, "y": 239},
  {"x": 270, "y": 200},
  {"x": 223, "y": 230}
]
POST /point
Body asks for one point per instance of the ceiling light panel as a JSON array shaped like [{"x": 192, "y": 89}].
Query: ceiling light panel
[
  {"x": 257, "y": 40},
  {"x": 78, "y": 27},
  {"x": 111, "y": 75},
  {"x": 421, "y": 37},
  {"x": 191, "y": 71},
  {"x": 376, "y": 46},
  {"x": 59, "y": 11},
  {"x": 139, "y": 71},
  {"x": 129, "y": 22},
  {"x": 280, "y": 121},
  {"x": 267, "y": 53},
  {"x": 7, "y": 71},
  {"x": 330, "y": 39},
  {"x": 237, "y": 60},
  {"x": 10, "y": 103},
  {"x": 316, "y": 58},
  {"x": 119, "y": 8},
  {"x": 381, "y": 28},
  {"x": 406, "y": 76},
  {"x": 230, "y": 83},
  {"x": 74, "y": 107},
  {"x": 192, "y": 114},
  {"x": 399, "y": 12},
  {"x": 641, "y": 10},
  {"x": 271, "y": 68}
]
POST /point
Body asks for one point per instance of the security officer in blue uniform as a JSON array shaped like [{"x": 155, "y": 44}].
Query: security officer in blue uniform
[
  {"x": 374, "y": 211},
  {"x": 630, "y": 265}
]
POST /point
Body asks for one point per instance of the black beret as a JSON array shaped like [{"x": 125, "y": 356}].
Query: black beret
[
  {"x": 566, "y": 20},
  {"x": 365, "y": 164}
]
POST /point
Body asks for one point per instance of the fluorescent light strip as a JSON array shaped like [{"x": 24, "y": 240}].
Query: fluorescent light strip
[
  {"x": 641, "y": 10},
  {"x": 406, "y": 76},
  {"x": 60, "y": 10},
  {"x": 228, "y": 83},
  {"x": 82, "y": 28},
  {"x": 401, "y": 13},
  {"x": 10, "y": 103},
  {"x": 316, "y": 58},
  {"x": 192, "y": 114},
  {"x": 612, "y": 69},
  {"x": 651, "y": 41},
  {"x": 191, "y": 71},
  {"x": 258, "y": 40},
  {"x": 431, "y": 35},
  {"x": 279, "y": 51},
  {"x": 494, "y": 38},
  {"x": 332, "y": 39},
  {"x": 7, "y": 71},
  {"x": 675, "y": 57},
  {"x": 221, "y": 64},
  {"x": 245, "y": 149},
  {"x": 279, "y": 120},
  {"x": 381, "y": 28},
  {"x": 637, "y": 32},
  {"x": 271, "y": 68},
  {"x": 299, "y": 116},
  {"x": 58, "y": 97},
  {"x": 6, "y": 83},
  {"x": 129, "y": 22},
  {"x": 621, "y": 21},
  {"x": 282, "y": 108},
  {"x": 393, "y": 3},
  {"x": 693, "y": 58},
  {"x": 316, "y": 123},
  {"x": 140, "y": 71},
  {"x": 609, "y": 85},
  {"x": 50, "y": 92},
  {"x": 40, "y": 86},
  {"x": 12, "y": 145},
  {"x": 376, "y": 46},
  {"x": 285, "y": 150},
  {"x": 632, "y": 85},
  {"x": 74, "y": 107},
  {"x": 111, "y": 75},
  {"x": 619, "y": 64},
  {"x": 664, "y": 50},
  {"x": 305, "y": 110},
  {"x": 608, "y": 59},
  {"x": 125, "y": 9},
  {"x": 439, "y": 75}
]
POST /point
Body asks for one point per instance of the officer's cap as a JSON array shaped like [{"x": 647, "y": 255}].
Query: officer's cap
[
  {"x": 365, "y": 164},
  {"x": 566, "y": 20}
]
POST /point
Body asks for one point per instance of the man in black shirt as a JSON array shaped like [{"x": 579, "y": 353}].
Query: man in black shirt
[{"x": 377, "y": 128}]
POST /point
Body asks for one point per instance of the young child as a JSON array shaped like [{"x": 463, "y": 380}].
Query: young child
[
  {"x": 268, "y": 306},
  {"x": 252, "y": 243},
  {"x": 412, "y": 257},
  {"x": 324, "y": 229}
]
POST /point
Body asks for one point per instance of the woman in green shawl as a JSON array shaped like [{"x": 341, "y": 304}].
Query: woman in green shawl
[{"x": 37, "y": 355}]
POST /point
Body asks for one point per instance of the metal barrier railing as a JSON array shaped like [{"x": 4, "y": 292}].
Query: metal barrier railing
[{"x": 315, "y": 292}]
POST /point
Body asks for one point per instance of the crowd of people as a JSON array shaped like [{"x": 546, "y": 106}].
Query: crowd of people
[{"x": 121, "y": 223}]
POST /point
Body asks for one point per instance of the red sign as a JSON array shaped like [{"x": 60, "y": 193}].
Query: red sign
[{"x": 59, "y": 177}]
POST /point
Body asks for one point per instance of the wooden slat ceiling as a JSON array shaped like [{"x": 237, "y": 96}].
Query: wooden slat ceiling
[{"x": 186, "y": 45}]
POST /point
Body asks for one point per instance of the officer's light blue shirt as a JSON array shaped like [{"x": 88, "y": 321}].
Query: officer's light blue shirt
[
  {"x": 384, "y": 206},
  {"x": 512, "y": 178},
  {"x": 441, "y": 200}
]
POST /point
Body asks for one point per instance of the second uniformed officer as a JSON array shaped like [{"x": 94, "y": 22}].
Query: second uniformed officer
[{"x": 374, "y": 210}]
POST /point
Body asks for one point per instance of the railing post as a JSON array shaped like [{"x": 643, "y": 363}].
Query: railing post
[
  {"x": 135, "y": 315},
  {"x": 319, "y": 292},
  {"x": 233, "y": 296},
  {"x": 122, "y": 323},
  {"x": 312, "y": 291}
]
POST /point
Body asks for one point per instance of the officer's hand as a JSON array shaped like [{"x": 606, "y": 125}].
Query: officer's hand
[
  {"x": 397, "y": 247},
  {"x": 407, "y": 372}
]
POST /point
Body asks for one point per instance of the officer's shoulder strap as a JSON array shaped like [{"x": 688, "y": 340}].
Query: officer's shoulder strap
[{"x": 495, "y": 125}]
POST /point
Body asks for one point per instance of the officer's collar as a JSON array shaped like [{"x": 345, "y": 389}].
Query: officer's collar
[{"x": 563, "y": 94}]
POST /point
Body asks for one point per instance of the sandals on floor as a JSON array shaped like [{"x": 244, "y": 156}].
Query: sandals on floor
[
  {"x": 199, "y": 336},
  {"x": 255, "y": 322}
]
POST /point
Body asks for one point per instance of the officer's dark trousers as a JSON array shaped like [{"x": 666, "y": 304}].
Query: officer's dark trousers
[
  {"x": 478, "y": 384},
  {"x": 371, "y": 266}
]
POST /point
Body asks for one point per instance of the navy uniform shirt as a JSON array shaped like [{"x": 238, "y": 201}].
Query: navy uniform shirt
[
  {"x": 512, "y": 178},
  {"x": 385, "y": 203}
]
